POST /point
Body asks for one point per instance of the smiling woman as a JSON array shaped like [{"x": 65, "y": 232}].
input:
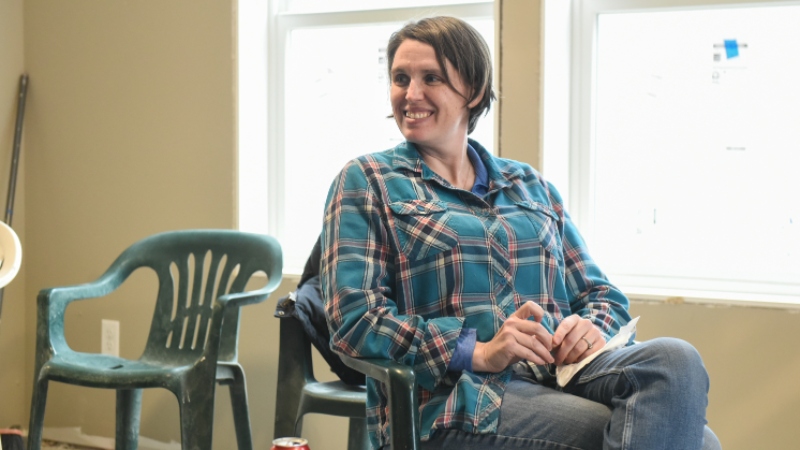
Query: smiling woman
[{"x": 466, "y": 267}]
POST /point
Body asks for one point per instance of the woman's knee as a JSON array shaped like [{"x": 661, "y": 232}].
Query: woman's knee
[
  {"x": 679, "y": 353},
  {"x": 680, "y": 363},
  {"x": 710, "y": 440}
]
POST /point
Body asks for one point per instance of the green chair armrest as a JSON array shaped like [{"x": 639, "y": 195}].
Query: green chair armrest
[
  {"x": 52, "y": 304},
  {"x": 249, "y": 298},
  {"x": 400, "y": 381}
]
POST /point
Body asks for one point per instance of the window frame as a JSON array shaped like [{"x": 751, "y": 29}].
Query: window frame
[{"x": 254, "y": 213}]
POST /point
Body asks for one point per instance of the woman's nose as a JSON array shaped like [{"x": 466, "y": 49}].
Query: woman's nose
[{"x": 414, "y": 91}]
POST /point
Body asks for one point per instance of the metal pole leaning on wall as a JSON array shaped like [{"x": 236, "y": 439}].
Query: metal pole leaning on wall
[{"x": 12, "y": 179}]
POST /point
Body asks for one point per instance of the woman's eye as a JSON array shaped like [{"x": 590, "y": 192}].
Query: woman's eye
[
  {"x": 400, "y": 79},
  {"x": 432, "y": 79}
]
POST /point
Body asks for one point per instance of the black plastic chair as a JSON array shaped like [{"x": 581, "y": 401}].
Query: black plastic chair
[
  {"x": 299, "y": 393},
  {"x": 192, "y": 345},
  {"x": 400, "y": 381}
]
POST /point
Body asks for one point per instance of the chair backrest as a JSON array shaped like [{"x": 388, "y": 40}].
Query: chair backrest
[{"x": 194, "y": 268}]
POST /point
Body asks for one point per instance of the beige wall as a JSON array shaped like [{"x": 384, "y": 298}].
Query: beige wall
[
  {"x": 131, "y": 130},
  {"x": 13, "y": 354},
  {"x": 520, "y": 80}
]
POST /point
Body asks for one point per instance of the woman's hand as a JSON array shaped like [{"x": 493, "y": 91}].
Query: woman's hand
[
  {"x": 575, "y": 339},
  {"x": 518, "y": 339}
]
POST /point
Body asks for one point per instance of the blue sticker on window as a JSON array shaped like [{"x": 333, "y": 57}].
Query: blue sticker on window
[{"x": 731, "y": 48}]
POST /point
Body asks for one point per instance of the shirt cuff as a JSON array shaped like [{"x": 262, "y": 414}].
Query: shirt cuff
[{"x": 462, "y": 355}]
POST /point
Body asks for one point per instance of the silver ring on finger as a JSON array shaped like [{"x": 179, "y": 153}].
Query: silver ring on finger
[{"x": 588, "y": 342}]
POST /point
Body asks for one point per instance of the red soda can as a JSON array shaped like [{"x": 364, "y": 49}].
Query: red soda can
[{"x": 290, "y": 443}]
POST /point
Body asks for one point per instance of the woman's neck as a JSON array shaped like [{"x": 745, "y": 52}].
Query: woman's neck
[{"x": 453, "y": 165}]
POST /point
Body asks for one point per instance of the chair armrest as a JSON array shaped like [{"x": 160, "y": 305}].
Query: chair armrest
[
  {"x": 52, "y": 304},
  {"x": 248, "y": 298},
  {"x": 400, "y": 382}
]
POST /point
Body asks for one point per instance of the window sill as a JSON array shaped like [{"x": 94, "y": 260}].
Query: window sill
[{"x": 711, "y": 298}]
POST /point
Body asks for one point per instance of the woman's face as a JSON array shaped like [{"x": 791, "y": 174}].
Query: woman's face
[{"x": 428, "y": 111}]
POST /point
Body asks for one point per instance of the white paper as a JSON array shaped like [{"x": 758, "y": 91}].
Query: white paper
[{"x": 566, "y": 372}]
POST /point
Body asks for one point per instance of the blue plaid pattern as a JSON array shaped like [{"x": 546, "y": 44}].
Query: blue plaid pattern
[{"x": 408, "y": 260}]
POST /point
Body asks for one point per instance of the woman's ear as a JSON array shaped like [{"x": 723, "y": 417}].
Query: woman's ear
[{"x": 477, "y": 100}]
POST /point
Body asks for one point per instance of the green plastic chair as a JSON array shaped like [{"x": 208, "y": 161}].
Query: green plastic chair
[{"x": 192, "y": 345}]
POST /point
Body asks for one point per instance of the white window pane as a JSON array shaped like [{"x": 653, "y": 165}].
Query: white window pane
[
  {"x": 555, "y": 96},
  {"x": 695, "y": 147},
  {"x": 336, "y": 108}
]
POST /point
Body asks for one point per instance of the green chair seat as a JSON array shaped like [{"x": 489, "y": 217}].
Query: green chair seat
[
  {"x": 103, "y": 371},
  {"x": 334, "y": 398}
]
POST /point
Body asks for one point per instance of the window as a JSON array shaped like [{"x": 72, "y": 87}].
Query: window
[
  {"x": 327, "y": 103},
  {"x": 684, "y": 146}
]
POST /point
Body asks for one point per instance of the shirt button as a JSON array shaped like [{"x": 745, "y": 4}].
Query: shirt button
[{"x": 420, "y": 208}]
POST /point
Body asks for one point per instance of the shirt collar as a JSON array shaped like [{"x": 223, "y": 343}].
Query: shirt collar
[
  {"x": 407, "y": 157},
  {"x": 481, "y": 186}
]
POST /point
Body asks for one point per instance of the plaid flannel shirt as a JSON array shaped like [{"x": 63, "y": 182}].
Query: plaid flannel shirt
[{"x": 408, "y": 260}]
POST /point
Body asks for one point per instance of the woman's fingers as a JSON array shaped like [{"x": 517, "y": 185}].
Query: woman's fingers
[
  {"x": 520, "y": 319},
  {"x": 580, "y": 350},
  {"x": 506, "y": 348},
  {"x": 529, "y": 309},
  {"x": 518, "y": 339},
  {"x": 575, "y": 339},
  {"x": 533, "y": 329},
  {"x": 565, "y": 328},
  {"x": 534, "y": 346}
]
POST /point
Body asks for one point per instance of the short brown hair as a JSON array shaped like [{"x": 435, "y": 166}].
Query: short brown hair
[{"x": 462, "y": 45}]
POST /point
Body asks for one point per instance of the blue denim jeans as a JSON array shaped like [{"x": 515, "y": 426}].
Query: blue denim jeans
[{"x": 648, "y": 396}]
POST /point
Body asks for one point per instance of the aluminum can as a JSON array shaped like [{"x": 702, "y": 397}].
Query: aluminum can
[{"x": 290, "y": 443}]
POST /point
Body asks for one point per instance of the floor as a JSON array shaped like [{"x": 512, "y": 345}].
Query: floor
[{"x": 53, "y": 445}]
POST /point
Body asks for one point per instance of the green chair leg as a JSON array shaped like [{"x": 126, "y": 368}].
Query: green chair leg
[
  {"x": 298, "y": 427},
  {"x": 357, "y": 436},
  {"x": 37, "y": 415},
  {"x": 197, "y": 418},
  {"x": 129, "y": 407},
  {"x": 241, "y": 415}
]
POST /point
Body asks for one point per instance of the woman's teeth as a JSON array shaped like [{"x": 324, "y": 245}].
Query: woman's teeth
[{"x": 421, "y": 115}]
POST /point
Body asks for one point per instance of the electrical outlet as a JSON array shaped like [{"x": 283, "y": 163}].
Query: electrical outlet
[{"x": 109, "y": 344}]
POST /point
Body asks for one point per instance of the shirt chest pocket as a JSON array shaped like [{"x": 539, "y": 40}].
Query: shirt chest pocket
[
  {"x": 546, "y": 226},
  {"x": 422, "y": 228}
]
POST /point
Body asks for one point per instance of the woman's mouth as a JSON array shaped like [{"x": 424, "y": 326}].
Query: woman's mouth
[{"x": 417, "y": 115}]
